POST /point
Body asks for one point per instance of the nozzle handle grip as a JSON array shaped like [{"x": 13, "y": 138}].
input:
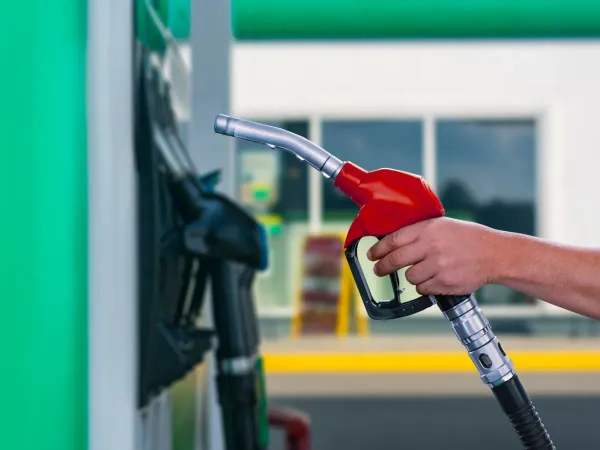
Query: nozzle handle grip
[{"x": 383, "y": 310}]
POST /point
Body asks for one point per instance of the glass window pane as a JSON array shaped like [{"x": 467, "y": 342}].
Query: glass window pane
[
  {"x": 486, "y": 173},
  {"x": 272, "y": 182},
  {"x": 371, "y": 144}
]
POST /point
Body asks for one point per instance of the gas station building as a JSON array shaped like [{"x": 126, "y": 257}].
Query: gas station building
[{"x": 504, "y": 130}]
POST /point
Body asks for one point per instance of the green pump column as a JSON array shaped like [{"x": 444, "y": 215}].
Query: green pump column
[{"x": 43, "y": 214}]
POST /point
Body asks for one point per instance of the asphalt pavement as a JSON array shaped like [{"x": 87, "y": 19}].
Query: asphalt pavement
[
  {"x": 433, "y": 409},
  {"x": 462, "y": 423}
]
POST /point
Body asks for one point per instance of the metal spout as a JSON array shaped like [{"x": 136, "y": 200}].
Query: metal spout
[{"x": 302, "y": 148}]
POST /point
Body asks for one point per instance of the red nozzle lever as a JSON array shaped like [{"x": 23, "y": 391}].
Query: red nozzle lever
[{"x": 388, "y": 200}]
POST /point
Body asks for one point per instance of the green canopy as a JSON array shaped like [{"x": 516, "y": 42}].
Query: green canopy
[{"x": 372, "y": 19}]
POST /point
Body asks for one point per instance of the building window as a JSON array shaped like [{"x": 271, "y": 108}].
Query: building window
[
  {"x": 273, "y": 182},
  {"x": 486, "y": 173},
  {"x": 371, "y": 144},
  {"x": 273, "y": 186}
]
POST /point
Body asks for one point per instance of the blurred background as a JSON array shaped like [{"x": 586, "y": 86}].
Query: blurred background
[
  {"x": 494, "y": 104},
  {"x": 496, "y": 126}
]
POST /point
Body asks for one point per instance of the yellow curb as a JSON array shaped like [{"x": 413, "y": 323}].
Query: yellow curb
[{"x": 422, "y": 362}]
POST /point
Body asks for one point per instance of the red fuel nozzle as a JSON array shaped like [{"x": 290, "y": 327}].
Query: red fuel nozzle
[{"x": 388, "y": 200}]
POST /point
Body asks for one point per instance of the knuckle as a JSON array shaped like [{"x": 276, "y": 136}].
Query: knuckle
[
  {"x": 443, "y": 262},
  {"x": 435, "y": 244},
  {"x": 447, "y": 279},
  {"x": 430, "y": 223},
  {"x": 432, "y": 226},
  {"x": 396, "y": 258},
  {"x": 437, "y": 264},
  {"x": 396, "y": 239}
]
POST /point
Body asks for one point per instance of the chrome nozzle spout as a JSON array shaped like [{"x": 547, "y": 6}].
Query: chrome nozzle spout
[
  {"x": 222, "y": 125},
  {"x": 302, "y": 148}
]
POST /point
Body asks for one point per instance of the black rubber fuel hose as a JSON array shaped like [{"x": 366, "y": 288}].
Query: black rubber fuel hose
[{"x": 517, "y": 405}]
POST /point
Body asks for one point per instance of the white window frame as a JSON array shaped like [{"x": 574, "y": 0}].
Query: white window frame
[{"x": 548, "y": 159}]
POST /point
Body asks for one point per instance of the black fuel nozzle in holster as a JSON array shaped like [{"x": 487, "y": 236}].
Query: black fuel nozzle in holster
[
  {"x": 231, "y": 247},
  {"x": 215, "y": 227}
]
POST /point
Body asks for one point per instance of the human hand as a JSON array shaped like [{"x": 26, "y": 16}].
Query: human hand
[{"x": 448, "y": 257}]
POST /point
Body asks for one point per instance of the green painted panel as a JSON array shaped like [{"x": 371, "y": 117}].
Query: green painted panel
[
  {"x": 173, "y": 14},
  {"x": 43, "y": 254},
  {"x": 146, "y": 30},
  {"x": 369, "y": 19}
]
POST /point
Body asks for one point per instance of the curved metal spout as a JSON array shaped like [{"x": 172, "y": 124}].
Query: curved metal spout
[{"x": 273, "y": 137}]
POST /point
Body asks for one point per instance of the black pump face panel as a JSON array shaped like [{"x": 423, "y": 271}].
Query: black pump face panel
[
  {"x": 171, "y": 280},
  {"x": 186, "y": 231}
]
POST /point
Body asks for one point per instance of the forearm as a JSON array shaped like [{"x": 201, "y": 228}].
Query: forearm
[{"x": 566, "y": 276}]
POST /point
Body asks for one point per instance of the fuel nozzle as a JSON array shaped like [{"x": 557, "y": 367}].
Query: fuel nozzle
[{"x": 274, "y": 137}]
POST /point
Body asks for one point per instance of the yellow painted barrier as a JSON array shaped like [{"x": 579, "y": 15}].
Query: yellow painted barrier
[{"x": 422, "y": 362}]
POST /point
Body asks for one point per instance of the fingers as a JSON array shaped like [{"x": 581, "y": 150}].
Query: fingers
[
  {"x": 434, "y": 286},
  {"x": 397, "y": 239},
  {"x": 406, "y": 256},
  {"x": 420, "y": 273},
  {"x": 430, "y": 287}
]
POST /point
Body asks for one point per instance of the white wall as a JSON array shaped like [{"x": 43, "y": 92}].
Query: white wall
[{"x": 558, "y": 82}]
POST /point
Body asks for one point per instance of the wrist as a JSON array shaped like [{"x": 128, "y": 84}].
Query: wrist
[{"x": 504, "y": 252}]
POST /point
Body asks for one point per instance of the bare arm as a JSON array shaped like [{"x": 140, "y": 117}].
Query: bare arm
[
  {"x": 453, "y": 257},
  {"x": 563, "y": 275}
]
